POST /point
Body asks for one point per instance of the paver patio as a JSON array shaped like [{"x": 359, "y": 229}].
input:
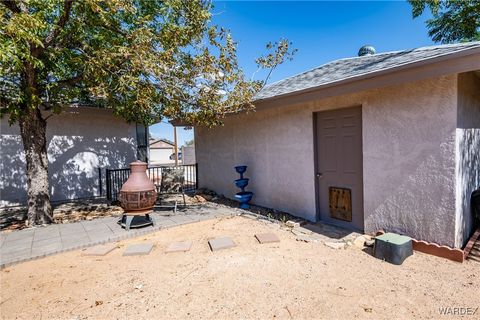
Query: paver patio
[{"x": 28, "y": 244}]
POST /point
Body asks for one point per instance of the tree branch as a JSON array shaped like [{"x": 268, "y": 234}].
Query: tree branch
[
  {"x": 71, "y": 81},
  {"x": 12, "y": 5},
  {"x": 113, "y": 29},
  {"x": 52, "y": 37}
]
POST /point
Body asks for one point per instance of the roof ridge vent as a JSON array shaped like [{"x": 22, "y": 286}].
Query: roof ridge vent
[{"x": 366, "y": 50}]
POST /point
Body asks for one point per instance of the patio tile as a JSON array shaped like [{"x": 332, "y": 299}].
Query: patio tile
[
  {"x": 8, "y": 257},
  {"x": 94, "y": 226},
  {"x": 79, "y": 237},
  {"x": 195, "y": 217},
  {"x": 71, "y": 226},
  {"x": 221, "y": 243},
  {"x": 99, "y": 250},
  {"x": 164, "y": 222},
  {"x": 20, "y": 235},
  {"x": 102, "y": 238},
  {"x": 44, "y": 242},
  {"x": 267, "y": 237},
  {"x": 71, "y": 230},
  {"x": 74, "y": 236},
  {"x": 46, "y": 233},
  {"x": 52, "y": 248},
  {"x": 182, "y": 246},
  {"x": 99, "y": 232},
  {"x": 10, "y": 247},
  {"x": 74, "y": 243},
  {"x": 181, "y": 219},
  {"x": 138, "y": 249},
  {"x": 25, "y": 241}
]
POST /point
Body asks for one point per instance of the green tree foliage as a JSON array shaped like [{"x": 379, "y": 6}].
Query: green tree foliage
[
  {"x": 453, "y": 20},
  {"x": 189, "y": 143},
  {"x": 144, "y": 59}
]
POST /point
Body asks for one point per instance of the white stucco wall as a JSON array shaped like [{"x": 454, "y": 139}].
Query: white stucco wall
[
  {"x": 80, "y": 140},
  {"x": 467, "y": 151},
  {"x": 161, "y": 156},
  {"x": 408, "y": 157}
]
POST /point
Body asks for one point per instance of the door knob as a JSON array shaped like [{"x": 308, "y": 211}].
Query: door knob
[{"x": 319, "y": 175}]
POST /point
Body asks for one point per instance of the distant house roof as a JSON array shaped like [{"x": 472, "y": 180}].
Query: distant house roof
[
  {"x": 161, "y": 144},
  {"x": 358, "y": 67}
]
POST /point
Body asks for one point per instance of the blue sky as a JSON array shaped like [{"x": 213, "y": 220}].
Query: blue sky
[{"x": 322, "y": 31}]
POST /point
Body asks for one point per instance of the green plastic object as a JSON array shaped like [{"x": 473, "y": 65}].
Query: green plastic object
[{"x": 393, "y": 248}]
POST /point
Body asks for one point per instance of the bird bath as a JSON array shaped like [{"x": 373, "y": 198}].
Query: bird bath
[{"x": 242, "y": 197}]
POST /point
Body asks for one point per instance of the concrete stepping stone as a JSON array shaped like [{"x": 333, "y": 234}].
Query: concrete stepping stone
[
  {"x": 267, "y": 237},
  {"x": 141, "y": 249},
  {"x": 182, "y": 246},
  {"x": 99, "y": 250},
  {"x": 221, "y": 243}
]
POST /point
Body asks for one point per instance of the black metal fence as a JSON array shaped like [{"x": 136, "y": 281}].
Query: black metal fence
[{"x": 115, "y": 178}]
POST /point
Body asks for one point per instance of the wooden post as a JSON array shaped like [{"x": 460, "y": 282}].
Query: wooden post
[
  {"x": 107, "y": 183},
  {"x": 100, "y": 181},
  {"x": 175, "y": 147}
]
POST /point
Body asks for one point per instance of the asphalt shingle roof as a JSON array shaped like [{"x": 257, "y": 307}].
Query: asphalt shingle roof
[{"x": 343, "y": 69}]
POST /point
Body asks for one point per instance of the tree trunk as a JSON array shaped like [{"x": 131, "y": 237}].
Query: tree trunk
[{"x": 33, "y": 131}]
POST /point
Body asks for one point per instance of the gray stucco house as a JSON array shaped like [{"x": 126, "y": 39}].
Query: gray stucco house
[
  {"x": 395, "y": 135},
  {"x": 81, "y": 140}
]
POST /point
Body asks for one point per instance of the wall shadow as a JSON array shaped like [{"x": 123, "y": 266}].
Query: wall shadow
[{"x": 76, "y": 150}]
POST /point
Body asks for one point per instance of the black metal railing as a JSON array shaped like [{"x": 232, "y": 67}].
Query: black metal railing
[{"x": 115, "y": 178}]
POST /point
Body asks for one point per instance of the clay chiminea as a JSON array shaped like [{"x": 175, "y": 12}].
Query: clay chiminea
[{"x": 137, "y": 197}]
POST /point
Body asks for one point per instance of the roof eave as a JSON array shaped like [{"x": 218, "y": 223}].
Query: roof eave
[{"x": 346, "y": 81}]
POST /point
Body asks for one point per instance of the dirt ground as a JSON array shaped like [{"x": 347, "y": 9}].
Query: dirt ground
[{"x": 285, "y": 280}]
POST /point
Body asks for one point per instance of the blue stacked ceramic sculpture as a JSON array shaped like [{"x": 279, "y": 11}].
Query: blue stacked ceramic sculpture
[{"x": 243, "y": 196}]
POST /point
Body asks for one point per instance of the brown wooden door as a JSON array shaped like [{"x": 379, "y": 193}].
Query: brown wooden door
[{"x": 340, "y": 167}]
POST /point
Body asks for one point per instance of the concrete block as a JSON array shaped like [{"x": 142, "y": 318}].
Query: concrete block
[
  {"x": 141, "y": 249},
  {"x": 267, "y": 237},
  {"x": 221, "y": 243},
  {"x": 179, "y": 246},
  {"x": 99, "y": 250}
]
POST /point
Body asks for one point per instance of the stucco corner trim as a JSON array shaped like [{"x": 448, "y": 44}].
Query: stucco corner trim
[{"x": 453, "y": 254}]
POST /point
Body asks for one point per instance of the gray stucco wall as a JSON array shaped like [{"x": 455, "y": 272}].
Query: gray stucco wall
[
  {"x": 408, "y": 156},
  {"x": 80, "y": 140},
  {"x": 409, "y": 160},
  {"x": 468, "y": 151}
]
